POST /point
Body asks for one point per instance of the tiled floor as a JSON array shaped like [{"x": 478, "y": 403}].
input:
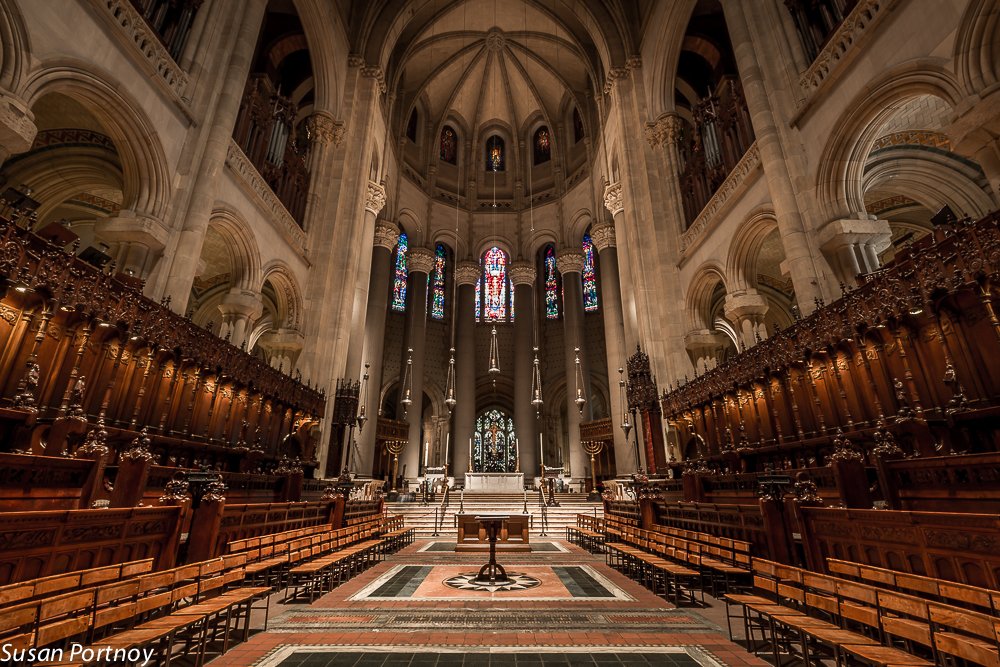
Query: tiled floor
[{"x": 581, "y": 614}]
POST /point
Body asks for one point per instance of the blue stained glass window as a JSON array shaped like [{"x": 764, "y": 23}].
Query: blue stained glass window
[
  {"x": 551, "y": 285},
  {"x": 437, "y": 284},
  {"x": 479, "y": 292},
  {"x": 494, "y": 296},
  {"x": 399, "y": 281},
  {"x": 495, "y": 445},
  {"x": 589, "y": 276}
]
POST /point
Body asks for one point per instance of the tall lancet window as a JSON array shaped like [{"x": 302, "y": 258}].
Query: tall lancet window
[
  {"x": 399, "y": 280},
  {"x": 551, "y": 285},
  {"x": 589, "y": 276},
  {"x": 494, "y": 154},
  {"x": 495, "y": 285},
  {"x": 449, "y": 145},
  {"x": 437, "y": 282},
  {"x": 543, "y": 145}
]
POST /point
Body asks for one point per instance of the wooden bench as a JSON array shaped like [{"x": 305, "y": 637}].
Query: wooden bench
[
  {"x": 849, "y": 620},
  {"x": 26, "y": 591},
  {"x": 589, "y": 533}
]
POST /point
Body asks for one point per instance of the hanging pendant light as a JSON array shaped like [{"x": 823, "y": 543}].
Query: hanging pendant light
[
  {"x": 580, "y": 399},
  {"x": 449, "y": 390},
  {"x": 362, "y": 404},
  {"x": 626, "y": 422},
  {"x": 536, "y": 385},
  {"x": 407, "y": 400},
  {"x": 494, "y": 369}
]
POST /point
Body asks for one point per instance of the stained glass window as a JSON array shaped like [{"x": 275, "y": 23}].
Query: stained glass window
[
  {"x": 399, "y": 281},
  {"x": 510, "y": 286},
  {"x": 543, "y": 145},
  {"x": 494, "y": 445},
  {"x": 449, "y": 145},
  {"x": 494, "y": 154},
  {"x": 437, "y": 282},
  {"x": 494, "y": 296},
  {"x": 479, "y": 291},
  {"x": 589, "y": 276},
  {"x": 551, "y": 285}
]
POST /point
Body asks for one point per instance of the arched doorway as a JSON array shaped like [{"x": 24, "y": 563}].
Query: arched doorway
[{"x": 494, "y": 445}]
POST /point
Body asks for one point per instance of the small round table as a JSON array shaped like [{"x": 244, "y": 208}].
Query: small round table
[{"x": 492, "y": 573}]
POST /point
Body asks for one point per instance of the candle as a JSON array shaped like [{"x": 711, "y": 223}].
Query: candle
[
  {"x": 470, "y": 454},
  {"x": 541, "y": 450},
  {"x": 427, "y": 449},
  {"x": 447, "y": 442}
]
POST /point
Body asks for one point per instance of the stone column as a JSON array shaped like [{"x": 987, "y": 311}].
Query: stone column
[
  {"x": 17, "y": 126},
  {"x": 746, "y": 311},
  {"x": 239, "y": 310},
  {"x": 420, "y": 261},
  {"x": 614, "y": 202},
  {"x": 136, "y": 240},
  {"x": 570, "y": 264},
  {"x": 386, "y": 236},
  {"x": 852, "y": 245},
  {"x": 466, "y": 275},
  {"x": 603, "y": 236},
  {"x": 800, "y": 261},
  {"x": 522, "y": 274},
  {"x": 187, "y": 253},
  {"x": 374, "y": 201}
]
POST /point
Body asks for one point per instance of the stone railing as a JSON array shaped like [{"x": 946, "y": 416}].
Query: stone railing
[
  {"x": 265, "y": 198},
  {"x": 710, "y": 216},
  {"x": 842, "y": 44},
  {"x": 132, "y": 29}
]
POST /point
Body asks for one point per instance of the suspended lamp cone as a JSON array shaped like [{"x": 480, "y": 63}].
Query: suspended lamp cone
[
  {"x": 362, "y": 417},
  {"x": 407, "y": 399},
  {"x": 494, "y": 369},
  {"x": 580, "y": 399},
  {"x": 449, "y": 392},
  {"x": 536, "y": 385}
]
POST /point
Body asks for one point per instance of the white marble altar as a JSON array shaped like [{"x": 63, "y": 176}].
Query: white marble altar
[{"x": 494, "y": 482}]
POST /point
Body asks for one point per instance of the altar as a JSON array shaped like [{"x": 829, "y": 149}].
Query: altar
[{"x": 494, "y": 482}]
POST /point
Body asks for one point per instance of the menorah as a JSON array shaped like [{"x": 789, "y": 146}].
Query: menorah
[
  {"x": 395, "y": 447},
  {"x": 593, "y": 447}
]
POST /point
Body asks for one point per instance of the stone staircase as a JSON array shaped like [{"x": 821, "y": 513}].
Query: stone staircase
[{"x": 421, "y": 517}]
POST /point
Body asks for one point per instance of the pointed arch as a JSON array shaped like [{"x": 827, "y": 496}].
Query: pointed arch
[
  {"x": 15, "y": 48},
  {"x": 977, "y": 46},
  {"x": 288, "y": 295},
  {"x": 701, "y": 290},
  {"x": 241, "y": 246},
  {"x": 146, "y": 177},
  {"x": 745, "y": 247}
]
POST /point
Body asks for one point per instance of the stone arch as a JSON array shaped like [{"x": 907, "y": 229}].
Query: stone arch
[
  {"x": 582, "y": 221},
  {"x": 700, "y": 292},
  {"x": 977, "y": 47},
  {"x": 540, "y": 239},
  {"x": 15, "y": 48},
  {"x": 241, "y": 245},
  {"x": 670, "y": 21},
  {"x": 934, "y": 179},
  {"x": 498, "y": 240},
  {"x": 839, "y": 179},
  {"x": 746, "y": 246},
  {"x": 146, "y": 178},
  {"x": 288, "y": 296},
  {"x": 409, "y": 224}
]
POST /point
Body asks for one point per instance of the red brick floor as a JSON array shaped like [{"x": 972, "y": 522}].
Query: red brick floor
[{"x": 659, "y": 626}]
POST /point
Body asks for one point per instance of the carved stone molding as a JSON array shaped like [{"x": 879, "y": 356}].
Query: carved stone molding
[
  {"x": 733, "y": 185},
  {"x": 131, "y": 28},
  {"x": 467, "y": 273},
  {"x": 255, "y": 185},
  {"x": 17, "y": 125},
  {"x": 419, "y": 260},
  {"x": 522, "y": 273},
  {"x": 667, "y": 128},
  {"x": 371, "y": 72},
  {"x": 614, "y": 201},
  {"x": 615, "y": 74},
  {"x": 386, "y": 235},
  {"x": 841, "y": 46},
  {"x": 325, "y": 129},
  {"x": 569, "y": 261},
  {"x": 374, "y": 197},
  {"x": 603, "y": 236}
]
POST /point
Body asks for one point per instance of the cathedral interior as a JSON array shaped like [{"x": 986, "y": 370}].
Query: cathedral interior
[{"x": 418, "y": 333}]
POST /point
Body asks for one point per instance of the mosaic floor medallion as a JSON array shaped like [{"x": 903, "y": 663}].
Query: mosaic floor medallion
[{"x": 466, "y": 582}]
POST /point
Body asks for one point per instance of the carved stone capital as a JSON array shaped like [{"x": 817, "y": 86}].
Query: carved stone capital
[
  {"x": 522, "y": 273},
  {"x": 325, "y": 129},
  {"x": 17, "y": 125},
  {"x": 569, "y": 261},
  {"x": 615, "y": 74},
  {"x": 386, "y": 235},
  {"x": 374, "y": 72},
  {"x": 374, "y": 197},
  {"x": 603, "y": 236},
  {"x": 666, "y": 128},
  {"x": 419, "y": 260},
  {"x": 467, "y": 273},
  {"x": 241, "y": 303},
  {"x": 747, "y": 305},
  {"x": 614, "y": 200},
  {"x": 132, "y": 227}
]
